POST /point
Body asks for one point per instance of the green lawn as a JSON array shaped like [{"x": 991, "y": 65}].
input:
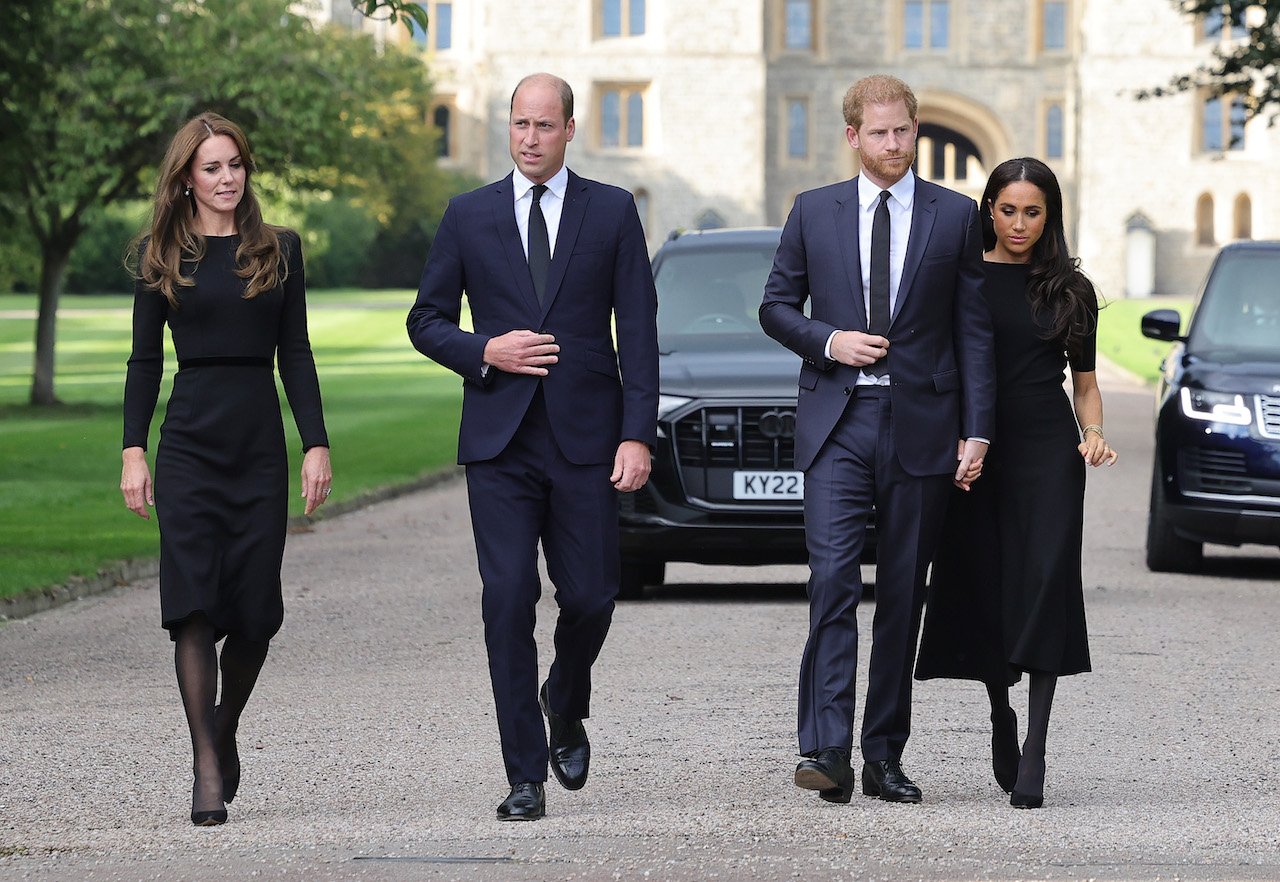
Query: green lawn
[
  {"x": 392, "y": 416},
  {"x": 1120, "y": 337}
]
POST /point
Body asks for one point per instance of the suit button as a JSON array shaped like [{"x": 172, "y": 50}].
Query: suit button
[{"x": 848, "y": 391}]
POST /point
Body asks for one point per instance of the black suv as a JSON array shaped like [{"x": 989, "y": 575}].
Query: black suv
[
  {"x": 1217, "y": 457},
  {"x": 724, "y": 489}
]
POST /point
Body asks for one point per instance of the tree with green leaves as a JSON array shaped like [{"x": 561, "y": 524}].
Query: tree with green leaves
[
  {"x": 409, "y": 12},
  {"x": 1248, "y": 66},
  {"x": 91, "y": 91}
]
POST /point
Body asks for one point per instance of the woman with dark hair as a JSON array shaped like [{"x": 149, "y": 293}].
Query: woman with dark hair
[
  {"x": 232, "y": 291},
  {"x": 1006, "y": 596}
]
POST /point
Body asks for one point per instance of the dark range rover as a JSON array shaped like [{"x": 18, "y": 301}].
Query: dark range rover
[
  {"x": 1217, "y": 455},
  {"x": 723, "y": 489}
]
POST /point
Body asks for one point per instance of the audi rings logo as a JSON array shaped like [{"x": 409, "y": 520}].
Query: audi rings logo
[{"x": 778, "y": 424}]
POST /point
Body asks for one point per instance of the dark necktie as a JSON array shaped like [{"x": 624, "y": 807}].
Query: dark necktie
[
  {"x": 878, "y": 321},
  {"x": 539, "y": 244}
]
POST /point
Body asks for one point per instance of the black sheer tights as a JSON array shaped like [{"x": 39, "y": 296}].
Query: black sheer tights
[
  {"x": 1022, "y": 773},
  {"x": 1039, "y": 704},
  {"x": 213, "y": 726}
]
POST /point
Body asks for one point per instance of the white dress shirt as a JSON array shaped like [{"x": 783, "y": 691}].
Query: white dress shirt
[
  {"x": 900, "y": 204},
  {"x": 552, "y": 203}
]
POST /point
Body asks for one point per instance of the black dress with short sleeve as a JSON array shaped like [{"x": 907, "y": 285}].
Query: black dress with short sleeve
[
  {"x": 221, "y": 472},
  {"x": 1005, "y": 595}
]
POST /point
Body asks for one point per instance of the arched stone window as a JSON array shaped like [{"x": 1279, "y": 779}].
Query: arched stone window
[
  {"x": 1243, "y": 217},
  {"x": 1204, "y": 220}
]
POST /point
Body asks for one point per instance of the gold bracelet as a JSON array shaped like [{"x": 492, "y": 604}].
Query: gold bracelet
[{"x": 1094, "y": 427}]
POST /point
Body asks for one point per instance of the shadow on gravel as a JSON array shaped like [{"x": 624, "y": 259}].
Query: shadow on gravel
[
  {"x": 1263, "y": 567},
  {"x": 725, "y": 592}
]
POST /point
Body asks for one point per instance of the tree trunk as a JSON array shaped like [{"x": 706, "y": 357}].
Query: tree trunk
[{"x": 53, "y": 272}]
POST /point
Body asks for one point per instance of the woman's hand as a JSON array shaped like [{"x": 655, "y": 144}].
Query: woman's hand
[
  {"x": 1096, "y": 451},
  {"x": 135, "y": 482},
  {"x": 317, "y": 476}
]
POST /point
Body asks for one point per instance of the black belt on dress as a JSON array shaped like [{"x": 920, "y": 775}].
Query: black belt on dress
[{"x": 224, "y": 361}]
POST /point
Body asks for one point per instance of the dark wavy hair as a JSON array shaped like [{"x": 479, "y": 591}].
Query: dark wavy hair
[
  {"x": 173, "y": 237},
  {"x": 1062, "y": 297}
]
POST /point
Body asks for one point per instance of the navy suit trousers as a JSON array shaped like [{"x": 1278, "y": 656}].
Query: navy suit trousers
[
  {"x": 531, "y": 493},
  {"x": 855, "y": 470}
]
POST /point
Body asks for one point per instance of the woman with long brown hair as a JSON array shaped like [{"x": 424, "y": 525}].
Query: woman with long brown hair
[
  {"x": 1006, "y": 595},
  {"x": 231, "y": 289}
]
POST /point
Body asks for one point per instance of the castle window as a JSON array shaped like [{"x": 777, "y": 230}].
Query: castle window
[
  {"x": 797, "y": 128},
  {"x": 621, "y": 116},
  {"x": 1053, "y": 24},
  {"x": 621, "y": 18},
  {"x": 1243, "y": 217},
  {"x": 1053, "y": 135},
  {"x": 1222, "y": 120},
  {"x": 798, "y": 24},
  {"x": 926, "y": 24},
  {"x": 1204, "y": 220}
]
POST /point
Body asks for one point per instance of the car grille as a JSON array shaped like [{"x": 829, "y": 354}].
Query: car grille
[
  {"x": 737, "y": 437},
  {"x": 1214, "y": 471},
  {"x": 1269, "y": 415}
]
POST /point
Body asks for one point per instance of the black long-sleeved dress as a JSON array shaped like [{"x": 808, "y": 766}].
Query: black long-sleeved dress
[
  {"x": 1005, "y": 594},
  {"x": 221, "y": 472}
]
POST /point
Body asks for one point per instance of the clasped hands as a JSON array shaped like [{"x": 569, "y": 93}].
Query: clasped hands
[
  {"x": 531, "y": 353},
  {"x": 857, "y": 349}
]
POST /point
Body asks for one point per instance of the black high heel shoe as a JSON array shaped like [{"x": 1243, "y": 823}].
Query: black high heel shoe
[
  {"x": 229, "y": 762},
  {"x": 1005, "y": 755},
  {"x": 208, "y": 817},
  {"x": 1028, "y": 793}
]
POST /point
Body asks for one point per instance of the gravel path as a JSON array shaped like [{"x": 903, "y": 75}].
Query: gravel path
[{"x": 370, "y": 749}]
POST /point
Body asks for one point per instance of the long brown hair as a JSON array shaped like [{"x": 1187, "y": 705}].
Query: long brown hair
[
  {"x": 1062, "y": 297},
  {"x": 174, "y": 238}
]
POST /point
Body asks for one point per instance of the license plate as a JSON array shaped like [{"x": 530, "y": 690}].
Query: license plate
[{"x": 768, "y": 485}]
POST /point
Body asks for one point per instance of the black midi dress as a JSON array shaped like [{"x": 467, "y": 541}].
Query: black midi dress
[
  {"x": 221, "y": 473},
  {"x": 1005, "y": 595}
]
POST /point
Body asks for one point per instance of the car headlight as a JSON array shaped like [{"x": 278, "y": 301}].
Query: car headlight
[
  {"x": 668, "y": 403},
  {"x": 1218, "y": 407}
]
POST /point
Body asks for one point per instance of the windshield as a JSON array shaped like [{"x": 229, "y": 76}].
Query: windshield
[
  {"x": 710, "y": 298},
  {"x": 1240, "y": 308}
]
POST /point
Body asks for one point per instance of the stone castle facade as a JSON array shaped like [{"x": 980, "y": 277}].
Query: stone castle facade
[{"x": 717, "y": 112}]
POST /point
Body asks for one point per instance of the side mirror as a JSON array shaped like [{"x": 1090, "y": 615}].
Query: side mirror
[{"x": 1162, "y": 324}]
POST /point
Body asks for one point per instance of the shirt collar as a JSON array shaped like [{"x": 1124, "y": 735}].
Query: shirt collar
[
  {"x": 557, "y": 185},
  {"x": 903, "y": 192}
]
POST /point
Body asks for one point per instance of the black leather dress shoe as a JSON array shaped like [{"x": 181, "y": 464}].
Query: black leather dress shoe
[
  {"x": 570, "y": 749},
  {"x": 526, "y": 802},
  {"x": 886, "y": 780},
  {"x": 827, "y": 772}
]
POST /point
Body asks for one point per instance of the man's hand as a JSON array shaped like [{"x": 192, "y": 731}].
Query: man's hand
[
  {"x": 970, "y": 454},
  {"x": 858, "y": 349},
  {"x": 522, "y": 352},
  {"x": 631, "y": 466}
]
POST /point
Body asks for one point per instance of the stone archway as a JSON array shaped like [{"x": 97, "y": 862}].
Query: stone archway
[{"x": 961, "y": 141}]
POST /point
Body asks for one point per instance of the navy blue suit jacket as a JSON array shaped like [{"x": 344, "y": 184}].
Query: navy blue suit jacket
[
  {"x": 940, "y": 358},
  {"x": 596, "y": 396}
]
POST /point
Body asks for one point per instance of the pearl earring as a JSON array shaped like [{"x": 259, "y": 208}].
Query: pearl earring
[{"x": 187, "y": 192}]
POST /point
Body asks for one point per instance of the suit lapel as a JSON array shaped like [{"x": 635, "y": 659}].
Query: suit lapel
[
  {"x": 576, "y": 196},
  {"x": 923, "y": 213},
  {"x": 846, "y": 225},
  {"x": 504, "y": 217}
]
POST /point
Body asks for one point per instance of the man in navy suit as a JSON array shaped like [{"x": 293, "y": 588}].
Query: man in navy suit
[
  {"x": 896, "y": 400},
  {"x": 554, "y": 421}
]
